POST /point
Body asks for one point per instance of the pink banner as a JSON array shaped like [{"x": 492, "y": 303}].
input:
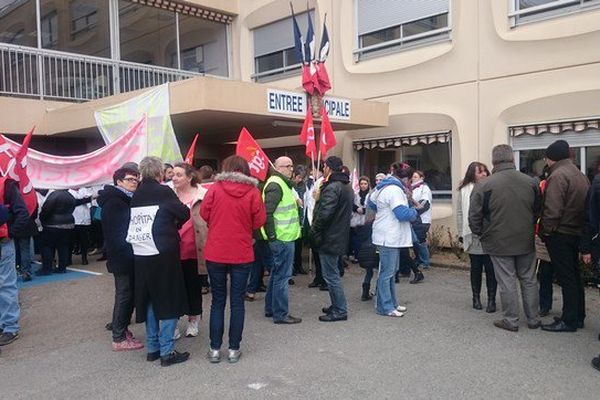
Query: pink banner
[{"x": 47, "y": 171}]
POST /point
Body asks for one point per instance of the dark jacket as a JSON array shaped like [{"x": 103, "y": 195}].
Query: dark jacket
[
  {"x": 592, "y": 218},
  {"x": 273, "y": 196},
  {"x": 503, "y": 211},
  {"x": 331, "y": 222},
  {"x": 18, "y": 216},
  {"x": 58, "y": 208},
  {"x": 563, "y": 207},
  {"x": 115, "y": 206},
  {"x": 159, "y": 278}
]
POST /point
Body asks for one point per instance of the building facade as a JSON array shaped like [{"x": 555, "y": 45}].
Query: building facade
[{"x": 453, "y": 77}]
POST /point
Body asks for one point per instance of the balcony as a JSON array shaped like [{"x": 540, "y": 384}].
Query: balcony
[{"x": 55, "y": 75}]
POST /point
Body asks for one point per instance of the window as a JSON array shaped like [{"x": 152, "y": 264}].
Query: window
[
  {"x": 49, "y": 30},
  {"x": 274, "y": 54},
  {"x": 536, "y": 10},
  {"x": 530, "y": 143},
  {"x": 203, "y": 46},
  {"x": 429, "y": 153},
  {"x": 84, "y": 16},
  {"x": 76, "y": 26},
  {"x": 390, "y": 25},
  {"x": 16, "y": 23}
]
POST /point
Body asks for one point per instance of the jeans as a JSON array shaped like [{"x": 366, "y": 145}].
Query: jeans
[
  {"x": 421, "y": 254},
  {"x": 218, "y": 285},
  {"x": 329, "y": 263},
  {"x": 159, "y": 334},
  {"x": 262, "y": 261},
  {"x": 25, "y": 254},
  {"x": 53, "y": 240},
  {"x": 564, "y": 254},
  {"x": 545, "y": 276},
  {"x": 389, "y": 258},
  {"x": 124, "y": 304},
  {"x": 9, "y": 294},
  {"x": 277, "y": 298}
]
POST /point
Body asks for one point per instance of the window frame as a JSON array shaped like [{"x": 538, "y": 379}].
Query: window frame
[
  {"x": 543, "y": 12},
  {"x": 402, "y": 43}
]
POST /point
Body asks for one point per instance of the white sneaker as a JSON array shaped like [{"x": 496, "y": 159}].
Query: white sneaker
[
  {"x": 192, "y": 329},
  {"x": 395, "y": 313},
  {"x": 177, "y": 334},
  {"x": 401, "y": 308}
]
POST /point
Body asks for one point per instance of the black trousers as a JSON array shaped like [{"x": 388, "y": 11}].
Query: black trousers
[
  {"x": 81, "y": 238},
  {"x": 545, "y": 277},
  {"x": 564, "y": 253},
  {"x": 193, "y": 286},
  {"x": 124, "y": 304},
  {"x": 479, "y": 263},
  {"x": 318, "y": 271},
  {"x": 298, "y": 255},
  {"x": 56, "y": 240}
]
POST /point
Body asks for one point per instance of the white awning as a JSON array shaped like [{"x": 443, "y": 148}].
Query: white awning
[
  {"x": 554, "y": 128},
  {"x": 399, "y": 141}
]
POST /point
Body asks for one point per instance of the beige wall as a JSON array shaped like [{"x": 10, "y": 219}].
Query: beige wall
[{"x": 487, "y": 77}]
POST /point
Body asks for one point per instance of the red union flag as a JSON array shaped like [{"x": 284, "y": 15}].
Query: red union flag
[
  {"x": 327, "y": 135},
  {"x": 13, "y": 165},
  {"x": 189, "y": 158},
  {"x": 307, "y": 135},
  {"x": 249, "y": 150}
]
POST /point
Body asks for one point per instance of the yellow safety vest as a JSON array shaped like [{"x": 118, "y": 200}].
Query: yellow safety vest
[{"x": 287, "y": 222}]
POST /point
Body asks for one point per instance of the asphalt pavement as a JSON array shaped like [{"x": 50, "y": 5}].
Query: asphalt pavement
[{"x": 441, "y": 349}]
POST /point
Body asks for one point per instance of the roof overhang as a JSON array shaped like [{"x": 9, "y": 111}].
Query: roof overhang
[{"x": 218, "y": 109}]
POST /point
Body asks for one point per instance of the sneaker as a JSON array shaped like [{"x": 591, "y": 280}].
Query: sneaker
[
  {"x": 126, "y": 345},
  {"x": 174, "y": 358},
  {"x": 418, "y": 277},
  {"x": 395, "y": 314},
  {"x": 177, "y": 334},
  {"x": 234, "y": 356},
  {"x": 129, "y": 336},
  {"x": 8, "y": 337},
  {"x": 192, "y": 329},
  {"x": 151, "y": 357},
  {"x": 214, "y": 356},
  {"x": 401, "y": 308}
]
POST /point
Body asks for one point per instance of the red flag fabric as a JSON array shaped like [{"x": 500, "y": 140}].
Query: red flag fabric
[
  {"x": 189, "y": 158},
  {"x": 248, "y": 149},
  {"x": 327, "y": 135},
  {"x": 323, "y": 78},
  {"x": 307, "y": 135},
  {"x": 307, "y": 80},
  {"x": 14, "y": 166}
]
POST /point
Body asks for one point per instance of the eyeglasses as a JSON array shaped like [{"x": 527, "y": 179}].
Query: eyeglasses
[
  {"x": 131, "y": 180},
  {"x": 287, "y": 166}
]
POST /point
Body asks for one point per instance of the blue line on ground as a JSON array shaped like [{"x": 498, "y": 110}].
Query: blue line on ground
[{"x": 45, "y": 279}]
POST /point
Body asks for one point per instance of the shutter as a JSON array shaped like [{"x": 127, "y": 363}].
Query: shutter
[
  {"x": 588, "y": 138},
  {"x": 375, "y": 15},
  {"x": 279, "y": 35}
]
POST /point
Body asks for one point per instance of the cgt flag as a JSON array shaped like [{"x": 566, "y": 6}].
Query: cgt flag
[
  {"x": 249, "y": 150},
  {"x": 14, "y": 166},
  {"x": 327, "y": 135},
  {"x": 189, "y": 158},
  {"x": 307, "y": 135}
]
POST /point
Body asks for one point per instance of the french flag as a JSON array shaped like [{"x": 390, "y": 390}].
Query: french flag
[
  {"x": 310, "y": 80},
  {"x": 322, "y": 75}
]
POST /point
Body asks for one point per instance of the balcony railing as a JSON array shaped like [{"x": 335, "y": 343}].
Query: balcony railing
[{"x": 49, "y": 74}]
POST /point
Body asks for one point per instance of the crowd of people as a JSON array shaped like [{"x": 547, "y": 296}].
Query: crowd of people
[{"x": 169, "y": 232}]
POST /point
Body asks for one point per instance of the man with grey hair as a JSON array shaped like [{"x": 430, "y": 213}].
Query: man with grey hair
[
  {"x": 282, "y": 229},
  {"x": 502, "y": 213}
]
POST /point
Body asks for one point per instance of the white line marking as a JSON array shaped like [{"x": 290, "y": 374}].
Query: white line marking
[{"x": 85, "y": 271}]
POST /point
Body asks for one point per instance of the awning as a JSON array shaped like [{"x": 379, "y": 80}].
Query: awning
[
  {"x": 554, "y": 128},
  {"x": 399, "y": 141}
]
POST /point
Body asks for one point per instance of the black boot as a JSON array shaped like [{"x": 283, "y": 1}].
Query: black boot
[
  {"x": 477, "y": 302},
  {"x": 365, "y": 292},
  {"x": 491, "y": 302},
  {"x": 418, "y": 277}
]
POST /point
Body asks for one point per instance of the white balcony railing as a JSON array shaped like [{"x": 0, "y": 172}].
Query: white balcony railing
[{"x": 30, "y": 72}]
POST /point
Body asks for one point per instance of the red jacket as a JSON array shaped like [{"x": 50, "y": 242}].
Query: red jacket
[{"x": 232, "y": 209}]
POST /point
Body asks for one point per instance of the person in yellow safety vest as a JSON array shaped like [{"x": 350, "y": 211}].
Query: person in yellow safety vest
[{"x": 281, "y": 230}]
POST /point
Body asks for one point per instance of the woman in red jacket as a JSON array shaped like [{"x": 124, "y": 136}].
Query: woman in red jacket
[{"x": 232, "y": 209}]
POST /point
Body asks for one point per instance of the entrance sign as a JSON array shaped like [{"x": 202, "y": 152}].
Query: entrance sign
[
  {"x": 337, "y": 108},
  {"x": 284, "y": 102},
  {"x": 293, "y": 103}
]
